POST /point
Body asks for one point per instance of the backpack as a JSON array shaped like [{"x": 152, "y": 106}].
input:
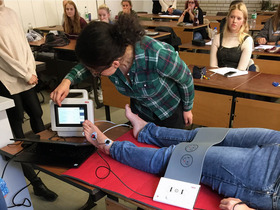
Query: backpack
[
  {"x": 175, "y": 41},
  {"x": 53, "y": 40}
]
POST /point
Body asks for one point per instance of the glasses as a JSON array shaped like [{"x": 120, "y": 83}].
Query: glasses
[{"x": 191, "y": 2}]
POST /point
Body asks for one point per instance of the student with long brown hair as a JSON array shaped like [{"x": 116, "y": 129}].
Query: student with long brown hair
[{"x": 73, "y": 23}]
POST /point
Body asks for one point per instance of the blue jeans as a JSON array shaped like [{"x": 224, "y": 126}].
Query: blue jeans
[
  {"x": 197, "y": 36},
  {"x": 245, "y": 165}
]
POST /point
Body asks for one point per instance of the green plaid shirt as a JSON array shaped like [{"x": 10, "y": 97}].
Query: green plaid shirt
[{"x": 160, "y": 80}]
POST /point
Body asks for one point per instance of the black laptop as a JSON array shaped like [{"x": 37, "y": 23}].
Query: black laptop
[{"x": 55, "y": 153}]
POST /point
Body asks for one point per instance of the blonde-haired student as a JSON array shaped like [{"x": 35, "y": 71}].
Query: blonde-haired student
[{"x": 233, "y": 46}]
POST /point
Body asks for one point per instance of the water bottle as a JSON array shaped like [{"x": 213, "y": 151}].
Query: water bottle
[
  {"x": 86, "y": 13},
  {"x": 30, "y": 27},
  {"x": 214, "y": 32},
  {"x": 195, "y": 20},
  {"x": 253, "y": 20}
]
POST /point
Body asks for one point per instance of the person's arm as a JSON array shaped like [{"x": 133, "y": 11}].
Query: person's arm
[
  {"x": 12, "y": 66},
  {"x": 191, "y": 15},
  {"x": 172, "y": 66},
  {"x": 77, "y": 74},
  {"x": 24, "y": 66},
  {"x": 181, "y": 19},
  {"x": 263, "y": 35},
  {"x": 247, "y": 48},
  {"x": 213, "y": 52},
  {"x": 233, "y": 203}
]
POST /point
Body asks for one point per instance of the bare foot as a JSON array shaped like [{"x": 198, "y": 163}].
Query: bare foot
[
  {"x": 137, "y": 123},
  {"x": 89, "y": 128}
]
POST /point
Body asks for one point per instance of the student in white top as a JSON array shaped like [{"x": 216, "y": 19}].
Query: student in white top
[
  {"x": 18, "y": 79},
  {"x": 233, "y": 46}
]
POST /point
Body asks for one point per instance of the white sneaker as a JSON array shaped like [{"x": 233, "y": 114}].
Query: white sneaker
[
  {"x": 100, "y": 95},
  {"x": 91, "y": 94}
]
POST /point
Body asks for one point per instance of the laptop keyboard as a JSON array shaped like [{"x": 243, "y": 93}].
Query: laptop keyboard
[{"x": 59, "y": 154}]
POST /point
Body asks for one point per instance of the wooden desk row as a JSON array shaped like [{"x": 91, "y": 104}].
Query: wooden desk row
[
  {"x": 217, "y": 101},
  {"x": 184, "y": 32}
]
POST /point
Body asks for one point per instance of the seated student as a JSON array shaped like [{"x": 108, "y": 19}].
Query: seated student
[
  {"x": 169, "y": 7},
  {"x": 104, "y": 13},
  {"x": 233, "y": 46},
  {"x": 245, "y": 164},
  {"x": 126, "y": 9},
  {"x": 188, "y": 17},
  {"x": 73, "y": 23},
  {"x": 270, "y": 34},
  {"x": 223, "y": 21}
]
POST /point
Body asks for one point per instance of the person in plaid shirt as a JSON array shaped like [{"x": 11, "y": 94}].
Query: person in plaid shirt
[{"x": 150, "y": 72}]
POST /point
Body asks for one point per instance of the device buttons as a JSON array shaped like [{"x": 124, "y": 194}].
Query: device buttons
[
  {"x": 186, "y": 160},
  {"x": 191, "y": 147}
]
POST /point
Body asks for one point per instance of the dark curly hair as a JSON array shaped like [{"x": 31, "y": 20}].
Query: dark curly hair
[{"x": 100, "y": 43}]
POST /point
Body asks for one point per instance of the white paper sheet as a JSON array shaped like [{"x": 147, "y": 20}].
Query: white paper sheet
[
  {"x": 229, "y": 72},
  {"x": 264, "y": 47}
]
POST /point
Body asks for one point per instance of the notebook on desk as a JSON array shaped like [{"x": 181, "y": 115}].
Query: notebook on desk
[{"x": 56, "y": 153}]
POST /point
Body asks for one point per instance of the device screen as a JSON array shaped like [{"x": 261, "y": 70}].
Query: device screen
[{"x": 70, "y": 115}]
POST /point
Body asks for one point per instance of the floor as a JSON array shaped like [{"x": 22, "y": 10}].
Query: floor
[{"x": 69, "y": 197}]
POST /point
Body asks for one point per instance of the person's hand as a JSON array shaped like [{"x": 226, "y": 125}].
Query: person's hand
[
  {"x": 126, "y": 10},
  {"x": 33, "y": 80},
  {"x": 228, "y": 204},
  {"x": 261, "y": 40},
  {"x": 186, "y": 10},
  {"x": 188, "y": 117},
  {"x": 190, "y": 8},
  {"x": 61, "y": 91}
]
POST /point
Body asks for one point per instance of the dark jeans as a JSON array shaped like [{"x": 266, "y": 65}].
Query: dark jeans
[
  {"x": 25, "y": 101},
  {"x": 176, "y": 120}
]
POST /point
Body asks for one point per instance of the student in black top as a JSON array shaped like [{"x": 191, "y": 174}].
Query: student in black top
[{"x": 188, "y": 17}]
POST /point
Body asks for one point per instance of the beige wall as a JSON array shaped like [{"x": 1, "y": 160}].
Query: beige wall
[
  {"x": 214, "y": 6},
  {"x": 49, "y": 12}
]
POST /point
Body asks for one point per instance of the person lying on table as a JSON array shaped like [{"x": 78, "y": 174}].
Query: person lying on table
[
  {"x": 246, "y": 164},
  {"x": 169, "y": 7},
  {"x": 148, "y": 71},
  {"x": 270, "y": 34},
  {"x": 233, "y": 46}
]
